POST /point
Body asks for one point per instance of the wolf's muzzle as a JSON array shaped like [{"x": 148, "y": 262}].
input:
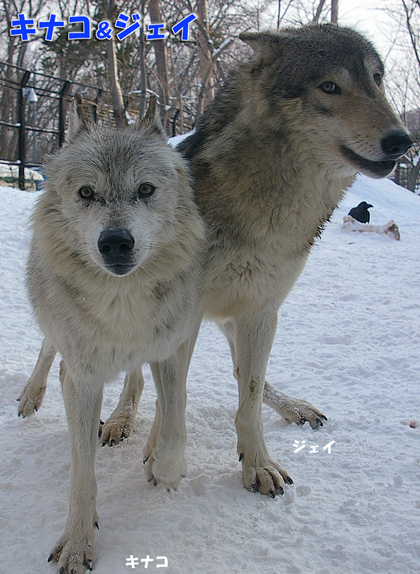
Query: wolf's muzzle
[
  {"x": 393, "y": 147},
  {"x": 116, "y": 248}
]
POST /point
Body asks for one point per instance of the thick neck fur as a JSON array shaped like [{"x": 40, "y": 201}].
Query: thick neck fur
[{"x": 253, "y": 152}]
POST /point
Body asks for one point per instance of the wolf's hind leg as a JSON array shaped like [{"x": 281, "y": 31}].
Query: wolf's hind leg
[
  {"x": 291, "y": 409},
  {"x": 121, "y": 423},
  {"x": 30, "y": 398},
  {"x": 164, "y": 454}
]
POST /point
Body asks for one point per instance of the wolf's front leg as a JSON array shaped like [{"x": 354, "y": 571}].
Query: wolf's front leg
[
  {"x": 254, "y": 337},
  {"x": 75, "y": 551}
]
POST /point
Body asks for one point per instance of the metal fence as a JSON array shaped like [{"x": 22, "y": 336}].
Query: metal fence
[{"x": 33, "y": 108}]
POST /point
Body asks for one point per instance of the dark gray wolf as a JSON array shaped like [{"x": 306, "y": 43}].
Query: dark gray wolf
[
  {"x": 271, "y": 158},
  {"x": 114, "y": 277}
]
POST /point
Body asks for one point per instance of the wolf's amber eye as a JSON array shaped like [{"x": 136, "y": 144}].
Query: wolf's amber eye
[
  {"x": 378, "y": 79},
  {"x": 330, "y": 88},
  {"x": 146, "y": 190},
  {"x": 86, "y": 192}
]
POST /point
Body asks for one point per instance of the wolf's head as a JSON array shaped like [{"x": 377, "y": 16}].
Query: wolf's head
[
  {"x": 328, "y": 80},
  {"x": 114, "y": 197}
]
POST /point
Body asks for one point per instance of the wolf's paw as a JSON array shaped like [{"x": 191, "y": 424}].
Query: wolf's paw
[
  {"x": 166, "y": 466},
  {"x": 30, "y": 400},
  {"x": 117, "y": 428},
  {"x": 74, "y": 555},
  {"x": 300, "y": 412},
  {"x": 291, "y": 409},
  {"x": 266, "y": 477}
]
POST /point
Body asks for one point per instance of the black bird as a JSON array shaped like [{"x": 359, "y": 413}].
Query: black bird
[{"x": 361, "y": 212}]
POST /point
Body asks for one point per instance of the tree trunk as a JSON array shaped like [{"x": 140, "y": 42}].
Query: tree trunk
[
  {"x": 318, "y": 12},
  {"x": 161, "y": 62},
  {"x": 204, "y": 58},
  {"x": 143, "y": 73},
  {"x": 7, "y": 104},
  {"x": 116, "y": 91},
  {"x": 334, "y": 11},
  {"x": 413, "y": 175}
]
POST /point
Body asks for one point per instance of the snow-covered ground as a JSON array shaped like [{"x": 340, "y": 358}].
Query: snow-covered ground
[{"x": 348, "y": 341}]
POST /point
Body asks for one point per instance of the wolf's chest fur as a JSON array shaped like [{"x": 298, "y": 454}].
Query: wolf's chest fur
[{"x": 263, "y": 212}]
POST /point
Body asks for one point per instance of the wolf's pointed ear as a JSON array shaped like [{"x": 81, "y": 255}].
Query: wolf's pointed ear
[
  {"x": 150, "y": 122},
  {"x": 263, "y": 43},
  {"x": 79, "y": 121}
]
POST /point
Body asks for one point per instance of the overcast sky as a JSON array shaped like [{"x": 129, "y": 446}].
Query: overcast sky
[{"x": 370, "y": 18}]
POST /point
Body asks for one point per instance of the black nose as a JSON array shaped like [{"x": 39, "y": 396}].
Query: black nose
[
  {"x": 115, "y": 244},
  {"x": 396, "y": 144}
]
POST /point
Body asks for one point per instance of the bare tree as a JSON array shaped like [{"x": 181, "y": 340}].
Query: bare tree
[
  {"x": 334, "y": 11},
  {"x": 161, "y": 56},
  {"x": 204, "y": 48},
  {"x": 110, "y": 11},
  {"x": 403, "y": 79}
]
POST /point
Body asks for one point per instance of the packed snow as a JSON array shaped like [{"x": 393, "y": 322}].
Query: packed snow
[{"x": 348, "y": 341}]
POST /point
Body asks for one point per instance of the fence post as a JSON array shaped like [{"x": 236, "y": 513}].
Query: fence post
[
  {"x": 22, "y": 134},
  {"x": 61, "y": 112}
]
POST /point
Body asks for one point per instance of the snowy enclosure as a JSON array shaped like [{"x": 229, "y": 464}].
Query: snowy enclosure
[{"x": 348, "y": 341}]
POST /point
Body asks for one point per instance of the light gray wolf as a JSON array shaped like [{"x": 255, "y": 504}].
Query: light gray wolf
[
  {"x": 270, "y": 159},
  {"x": 114, "y": 277}
]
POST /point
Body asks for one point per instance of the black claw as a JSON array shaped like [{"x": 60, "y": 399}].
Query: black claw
[
  {"x": 155, "y": 482},
  {"x": 241, "y": 456},
  {"x": 36, "y": 409},
  {"x": 288, "y": 480},
  {"x": 112, "y": 443},
  {"x": 73, "y": 571},
  {"x": 281, "y": 490},
  {"x": 272, "y": 494},
  {"x": 302, "y": 420},
  {"x": 254, "y": 488},
  {"x": 319, "y": 421},
  {"x": 324, "y": 417},
  {"x": 146, "y": 459},
  {"x": 104, "y": 443},
  {"x": 97, "y": 525},
  {"x": 89, "y": 564},
  {"x": 182, "y": 475},
  {"x": 50, "y": 557}
]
